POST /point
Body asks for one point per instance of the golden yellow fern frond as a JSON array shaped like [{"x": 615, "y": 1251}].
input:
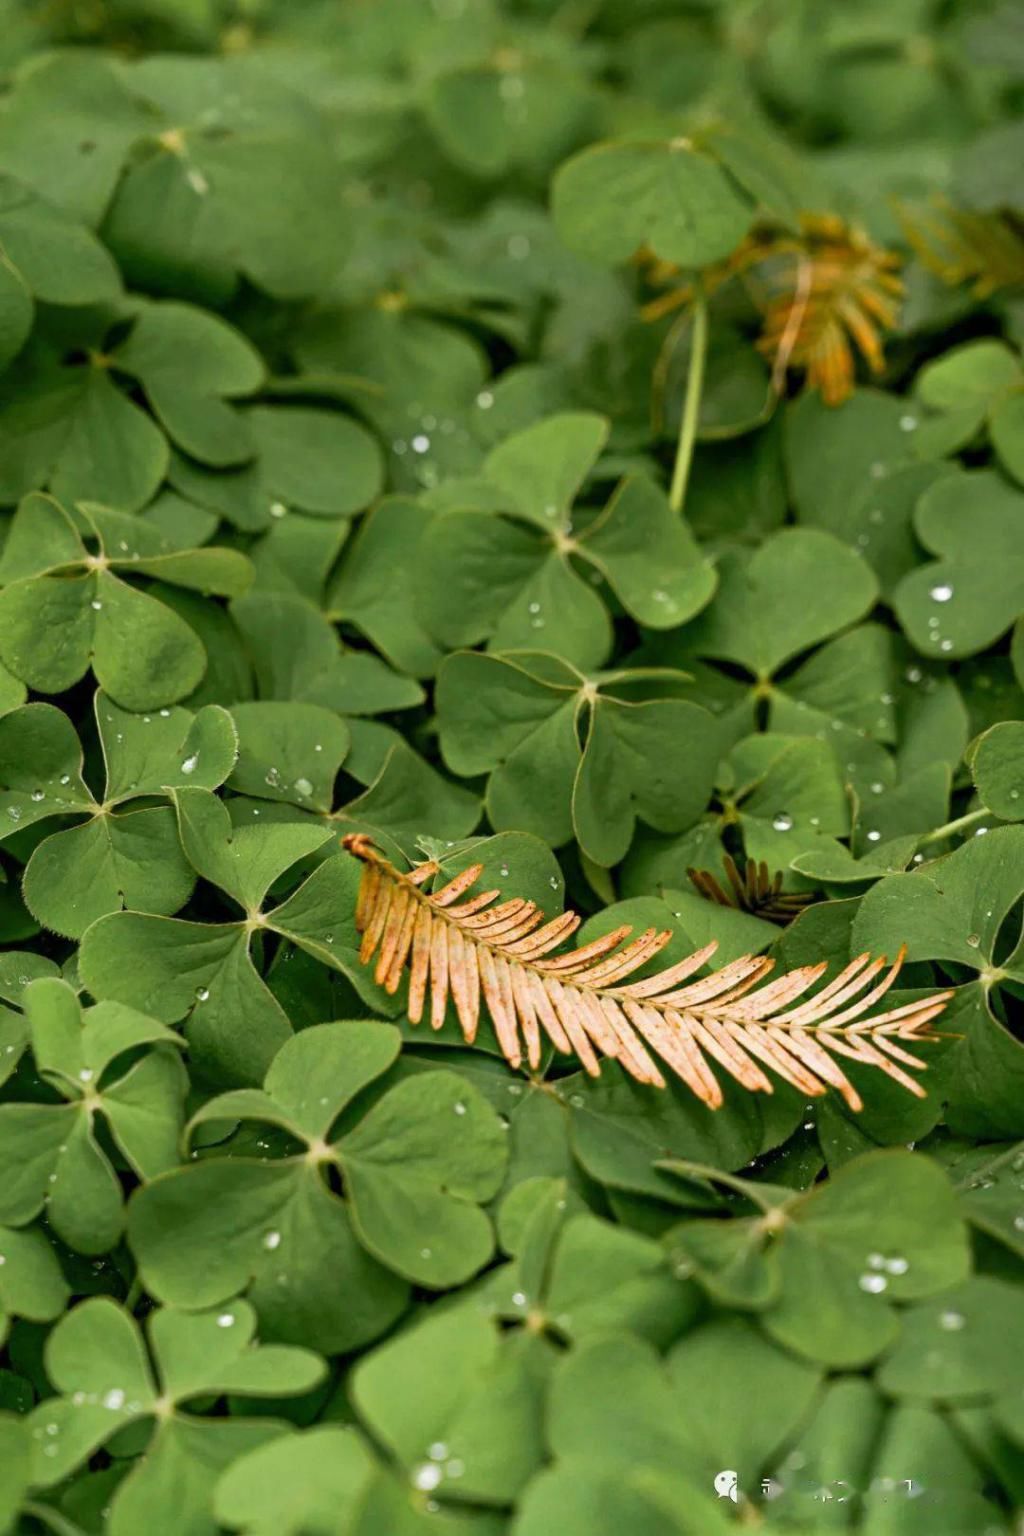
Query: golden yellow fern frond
[
  {"x": 504, "y": 952},
  {"x": 825, "y": 293},
  {"x": 985, "y": 250}
]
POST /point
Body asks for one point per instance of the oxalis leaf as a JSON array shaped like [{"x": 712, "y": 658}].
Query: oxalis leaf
[
  {"x": 97, "y": 1360},
  {"x": 522, "y": 583},
  {"x": 204, "y": 972},
  {"x": 413, "y": 1170},
  {"x": 124, "y": 854},
  {"x": 94, "y": 1063},
  {"x": 818, "y": 1270},
  {"x": 567, "y": 756},
  {"x": 64, "y": 610},
  {"x": 953, "y": 910}
]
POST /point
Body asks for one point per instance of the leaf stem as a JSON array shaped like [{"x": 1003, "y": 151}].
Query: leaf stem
[
  {"x": 691, "y": 405},
  {"x": 961, "y": 824}
]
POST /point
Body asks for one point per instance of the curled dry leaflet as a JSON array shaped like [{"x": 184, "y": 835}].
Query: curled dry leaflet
[{"x": 467, "y": 947}]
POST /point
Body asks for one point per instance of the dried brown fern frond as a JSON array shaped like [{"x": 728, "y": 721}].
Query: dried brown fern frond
[
  {"x": 825, "y": 294},
  {"x": 470, "y": 947},
  {"x": 985, "y": 250},
  {"x": 756, "y": 890}
]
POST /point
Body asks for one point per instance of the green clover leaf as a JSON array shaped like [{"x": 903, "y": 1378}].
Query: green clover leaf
[
  {"x": 477, "y": 1435},
  {"x": 47, "y": 256},
  {"x": 308, "y": 464},
  {"x": 952, "y": 910},
  {"x": 977, "y": 387},
  {"x": 296, "y": 656},
  {"x": 885, "y": 1226},
  {"x": 567, "y": 756},
  {"x": 31, "y": 1282},
  {"x": 69, "y": 429},
  {"x": 317, "y": 1480},
  {"x": 668, "y": 194},
  {"x": 373, "y": 588},
  {"x": 996, "y": 761},
  {"x": 799, "y": 588},
  {"x": 487, "y": 577},
  {"x": 573, "y": 1275},
  {"x": 124, "y": 855},
  {"x": 963, "y": 601},
  {"x": 62, "y": 1167},
  {"x": 191, "y": 365},
  {"x": 414, "y": 1170},
  {"x": 97, "y": 1360},
  {"x": 204, "y": 972},
  {"x": 142, "y": 653}
]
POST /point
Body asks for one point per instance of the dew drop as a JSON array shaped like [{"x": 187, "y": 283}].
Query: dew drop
[
  {"x": 874, "y": 836},
  {"x": 271, "y": 1240},
  {"x": 533, "y": 607},
  {"x": 426, "y": 1476},
  {"x": 278, "y": 509},
  {"x": 65, "y": 778},
  {"x": 14, "y": 812},
  {"x": 421, "y": 443},
  {"x": 485, "y": 399},
  {"x": 553, "y": 882},
  {"x": 273, "y": 778},
  {"x": 425, "y": 1253},
  {"x": 165, "y": 714},
  {"x": 86, "y": 1075},
  {"x": 951, "y": 1321},
  {"x": 503, "y": 871},
  {"x": 226, "y": 1320},
  {"x": 519, "y": 1298},
  {"x": 576, "y": 1100},
  {"x": 877, "y": 788},
  {"x": 202, "y": 993},
  {"x": 460, "y": 1108},
  {"x": 198, "y": 182},
  {"x": 190, "y": 763},
  {"x": 438, "y": 1451},
  {"x": 303, "y": 787},
  {"x": 876, "y": 1261},
  {"x": 945, "y": 645},
  {"x": 913, "y": 674},
  {"x": 455, "y": 1468},
  {"x": 782, "y": 821},
  {"x": 114, "y": 1399},
  {"x": 1018, "y": 1223},
  {"x": 974, "y": 940},
  {"x": 873, "y": 1284},
  {"x": 941, "y": 593},
  {"x": 96, "y": 604},
  {"x": 897, "y": 1265},
  {"x": 908, "y": 423}
]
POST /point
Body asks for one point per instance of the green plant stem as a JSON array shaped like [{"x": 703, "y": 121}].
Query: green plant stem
[
  {"x": 961, "y": 824},
  {"x": 691, "y": 405}
]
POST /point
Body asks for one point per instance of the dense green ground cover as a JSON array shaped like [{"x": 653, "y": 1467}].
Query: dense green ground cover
[{"x": 583, "y": 438}]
